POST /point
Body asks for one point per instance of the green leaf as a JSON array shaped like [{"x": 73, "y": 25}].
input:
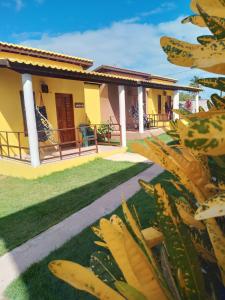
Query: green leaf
[
  {"x": 180, "y": 248},
  {"x": 202, "y": 245},
  {"x": 167, "y": 272},
  {"x": 105, "y": 268},
  {"x": 129, "y": 292}
]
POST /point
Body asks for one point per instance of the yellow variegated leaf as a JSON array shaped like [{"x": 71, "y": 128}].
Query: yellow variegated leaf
[
  {"x": 214, "y": 207},
  {"x": 211, "y": 7},
  {"x": 215, "y": 24},
  {"x": 115, "y": 242},
  {"x": 221, "y": 186},
  {"x": 202, "y": 250},
  {"x": 206, "y": 39},
  {"x": 205, "y": 114},
  {"x": 131, "y": 221},
  {"x": 97, "y": 231},
  {"x": 218, "y": 242},
  {"x": 187, "y": 215},
  {"x": 196, "y": 20},
  {"x": 101, "y": 244},
  {"x": 143, "y": 242},
  {"x": 152, "y": 236},
  {"x": 213, "y": 83},
  {"x": 218, "y": 101},
  {"x": 192, "y": 167},
  {"x": 83, "y": 279},
  {"x": 141, "y": 266},
  {"x": 155, "y": 153},
  {"x": 117, "y": 222},
  {"x": 206, "y": 136},
  {"x": 149, "y": 188},
  {"x": 209, "y": 57}
]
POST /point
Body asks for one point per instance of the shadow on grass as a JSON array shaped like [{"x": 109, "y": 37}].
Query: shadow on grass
[
  {"x": 37, "y": 283},
  {"x": 18, "y": 227}
]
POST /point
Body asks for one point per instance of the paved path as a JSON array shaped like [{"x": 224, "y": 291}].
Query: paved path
[
  {"x": 12, "y": 264},
  {"x": 128, "y": 156}
]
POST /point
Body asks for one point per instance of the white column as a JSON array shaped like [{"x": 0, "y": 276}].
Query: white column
[
  {"x": 31, "y": 119},
  {"x": 122, "y": 110},
  {"x": 176, "y": 101},
  {"x": 140, "y": 109},
  {"x": 197, "y": 102}
]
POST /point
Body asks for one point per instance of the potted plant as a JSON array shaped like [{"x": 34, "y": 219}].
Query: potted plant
[{"x": 105, "y": 131}]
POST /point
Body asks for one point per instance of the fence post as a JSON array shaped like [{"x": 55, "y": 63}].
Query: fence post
[
  {"x": 96, "y": 138},
  {"x": 19, "y": 142}
]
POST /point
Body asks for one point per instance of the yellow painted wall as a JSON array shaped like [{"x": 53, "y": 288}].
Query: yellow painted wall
[
  {"x": 11, "y": 118},
  {"x": 152, "y": 100},
  {"x": 10, "y": 108},
  {"x": 92, "y": 103},
  {"x": 158, "y": 80}
]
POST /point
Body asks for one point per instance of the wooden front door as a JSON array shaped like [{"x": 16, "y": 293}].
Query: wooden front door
[{"x": 65, "y": 118}]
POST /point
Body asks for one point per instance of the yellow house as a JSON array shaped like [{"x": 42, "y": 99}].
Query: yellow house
[{"x": 52, "y": 106}]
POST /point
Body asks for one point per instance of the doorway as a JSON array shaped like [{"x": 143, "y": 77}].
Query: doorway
[{"x": 65, "y": 119}]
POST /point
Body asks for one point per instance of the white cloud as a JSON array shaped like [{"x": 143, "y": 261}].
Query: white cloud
[
  {"x": 162, "y": 8},
  {"x": 19, "y": 4},
  {"x": 39, "y": 1},
  {"x": 126, "y": 44}
]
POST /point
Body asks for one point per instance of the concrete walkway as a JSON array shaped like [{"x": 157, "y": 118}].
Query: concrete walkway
[
  {"x": 128, "y": 156},
  {"x": 12, "y": 264}
]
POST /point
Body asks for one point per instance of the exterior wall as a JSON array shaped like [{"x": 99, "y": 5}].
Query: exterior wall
[
  {"x": 76, "y": 88},
  {"x": 92, "y": 103},
  {"x": 161, "y": 81},
  {"x": 39, "y": 60},
  {"x": 109, "y": 99},
  {"x": 110, "y": 103},
  {"x": 152, "y": 100},
  {"x": 10, "y": 108},
  {"x": 11, "y": 117}
]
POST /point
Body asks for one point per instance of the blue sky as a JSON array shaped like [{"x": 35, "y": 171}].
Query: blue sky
[
  {"x": 124, "y": 33},
  {"x": 19, "y": 18}
]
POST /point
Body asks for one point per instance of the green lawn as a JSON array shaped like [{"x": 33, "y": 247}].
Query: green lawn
[
  {"x": 37, "y": 283},
  {"x": 30, "y": 207},
  {"x": 163, "y": 137}
]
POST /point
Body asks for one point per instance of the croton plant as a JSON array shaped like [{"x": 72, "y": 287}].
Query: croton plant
[{"x": 183, "y": 255}]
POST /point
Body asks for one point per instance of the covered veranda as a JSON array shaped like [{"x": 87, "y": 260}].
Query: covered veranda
[{"x": 35, "y": 148}]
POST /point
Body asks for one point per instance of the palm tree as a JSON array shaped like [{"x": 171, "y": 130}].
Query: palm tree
[{"x": 194, "y": 82}]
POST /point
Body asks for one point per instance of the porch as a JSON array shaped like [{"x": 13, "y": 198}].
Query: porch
[
  {"x": 85, "y": 140},
  {"x": 75, "y": 99}
]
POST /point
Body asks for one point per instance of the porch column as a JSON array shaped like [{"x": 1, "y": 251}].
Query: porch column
[
  {"x": 31, "y": 119},
  {"x": 122, "y": 109},
  {"x": 140, "y": 109},
  {"x": 176, "y": 101},
  {"x": 197, "y": 102}
]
